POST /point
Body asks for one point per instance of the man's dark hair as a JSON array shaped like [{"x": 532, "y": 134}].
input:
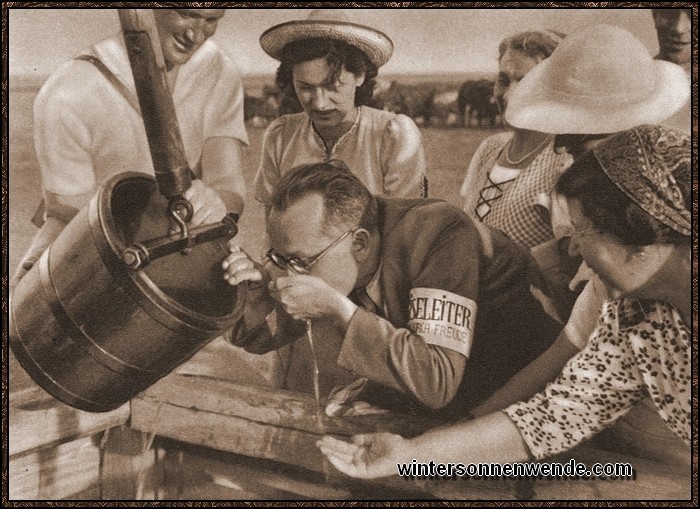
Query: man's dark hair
[
  {"x": 346, "y": 199},
  {"x": 337, "y": 54}
]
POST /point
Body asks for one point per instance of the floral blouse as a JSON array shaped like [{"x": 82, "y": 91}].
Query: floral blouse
[{"x": 639, "y": 348}]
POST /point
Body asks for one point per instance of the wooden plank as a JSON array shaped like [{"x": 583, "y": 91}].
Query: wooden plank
[
  {"x": 294, "y": 447},
  {"x": 221, "y": 359},
  {"x": 228, "y": 433},
  {"x": 37, "y": 419},
  {"x": 127, "y": 465},
  {"x": 55, "y": 473},
  {"x": 266, "y": 405},
  {"x": 653, "y": 480},
  {"x": 198, "y": 473},
  {"x": 281, "y": 426}
]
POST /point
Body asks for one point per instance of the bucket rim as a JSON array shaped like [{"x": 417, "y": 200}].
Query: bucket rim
[{"x": 137, "y": 282}]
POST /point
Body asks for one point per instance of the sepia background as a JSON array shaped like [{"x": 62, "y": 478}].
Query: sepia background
[
  {"x": 425, "y": 40},
  {"x": 437, "y": 47}
]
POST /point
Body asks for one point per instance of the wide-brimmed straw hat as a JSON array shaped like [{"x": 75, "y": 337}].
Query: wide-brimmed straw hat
[
  {"x": 329, "y": 24},
  {"x": 598, "y": 80}
]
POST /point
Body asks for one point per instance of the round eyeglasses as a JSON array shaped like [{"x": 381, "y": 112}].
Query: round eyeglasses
[{"x": 301, "y": 265}]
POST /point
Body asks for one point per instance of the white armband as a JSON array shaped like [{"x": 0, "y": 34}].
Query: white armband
[{"x": 443, "y": 318}]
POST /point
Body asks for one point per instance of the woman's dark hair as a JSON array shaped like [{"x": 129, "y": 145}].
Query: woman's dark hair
[
  {"x": 337, "y": 54},
  {"x": 346, "y": 199},
  {"x": 611, "y": 211}
]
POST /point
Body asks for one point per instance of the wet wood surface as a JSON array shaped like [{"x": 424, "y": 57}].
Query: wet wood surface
[
  {"x": 56, "y": 472},
  {"x": 273, "y": 424}
]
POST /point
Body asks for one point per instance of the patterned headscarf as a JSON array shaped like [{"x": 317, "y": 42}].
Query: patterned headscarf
[{"x": 644, "y": 163}]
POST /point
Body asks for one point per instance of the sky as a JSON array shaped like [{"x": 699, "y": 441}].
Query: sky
[{"x": 432, "y": 40}]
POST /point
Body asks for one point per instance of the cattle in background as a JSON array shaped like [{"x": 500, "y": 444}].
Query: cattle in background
[
  {"x": 414, "y": 100},
  {"x": 444, "y": 110},
  {"x": 475, "y": 103},
  {"x": 259, "y": 111},
  {"x": 288, "y": 102}
]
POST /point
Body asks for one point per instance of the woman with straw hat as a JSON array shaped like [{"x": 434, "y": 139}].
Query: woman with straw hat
[
  {"x": 630, "y": 202},
  {"x": 330, "y": 64}
]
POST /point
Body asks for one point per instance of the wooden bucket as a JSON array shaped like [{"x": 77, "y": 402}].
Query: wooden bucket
[{"x": 94, "y": 333}]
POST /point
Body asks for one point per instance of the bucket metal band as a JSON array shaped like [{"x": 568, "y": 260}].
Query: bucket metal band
[
  {"x": 75, "y": 333},
  {"x": 53, "y": 387}
]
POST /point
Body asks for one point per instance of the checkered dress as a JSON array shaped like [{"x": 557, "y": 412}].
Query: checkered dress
[{"x": 511, "y": 206}]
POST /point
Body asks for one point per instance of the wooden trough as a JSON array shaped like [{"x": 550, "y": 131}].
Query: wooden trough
[{"x": 202, "y": 434}]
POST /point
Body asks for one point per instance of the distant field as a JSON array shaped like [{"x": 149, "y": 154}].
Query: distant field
[
  {"x": 448, "y": 153},
  {"x": 254, "y": 83}
]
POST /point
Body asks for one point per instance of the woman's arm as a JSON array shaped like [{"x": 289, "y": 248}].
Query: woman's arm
[
  {"x": 546, "y": 367},
  {"x": 596, "y": 387},
  {"x": 403, "y": 161},
  {"x": 490, "y": 439},
  {"x": 222, "y": 170}
]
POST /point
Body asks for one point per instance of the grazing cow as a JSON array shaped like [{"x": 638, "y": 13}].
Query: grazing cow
[
  {"x": 254, "y": 110},
  {"x": 444, "y": 109},
  {"x": 416, "y": 101},
  {"x": 260, "y": 111},
  {"x": 475, "y": 102}
]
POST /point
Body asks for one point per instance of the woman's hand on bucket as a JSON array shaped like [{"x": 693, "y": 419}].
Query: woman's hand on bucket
[{"x": 238, "y": 266}]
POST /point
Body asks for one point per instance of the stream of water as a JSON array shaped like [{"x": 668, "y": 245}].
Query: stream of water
[{"x": 317, "y": 393}]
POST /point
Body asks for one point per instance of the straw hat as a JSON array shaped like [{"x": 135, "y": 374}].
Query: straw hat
[
  {"x": 329, "y": 24},
  {"x": 598, "y": 80}
]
